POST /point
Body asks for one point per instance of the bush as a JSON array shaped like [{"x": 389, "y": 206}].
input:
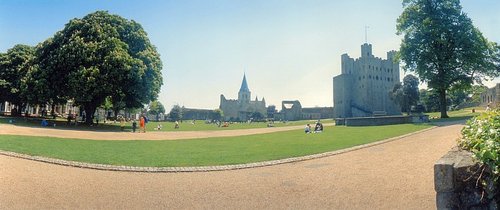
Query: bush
[{"x": 481, "y": 136}]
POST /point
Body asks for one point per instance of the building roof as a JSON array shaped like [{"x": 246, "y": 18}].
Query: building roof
[{"x": 244, "y": 85}]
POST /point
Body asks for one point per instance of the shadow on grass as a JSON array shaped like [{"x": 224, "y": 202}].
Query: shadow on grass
[{"x": 62, "y": 124}]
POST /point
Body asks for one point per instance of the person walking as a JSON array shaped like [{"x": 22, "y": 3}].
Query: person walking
[
  {"x": 122, "y": 123},
  {"x": 134, "y": 125},
  {"x": 142, "y": 125}
]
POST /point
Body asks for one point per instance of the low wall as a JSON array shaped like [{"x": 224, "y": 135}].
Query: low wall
[
  {"x": 455, "y": 176},
  {"x": 382, "y": 120}
]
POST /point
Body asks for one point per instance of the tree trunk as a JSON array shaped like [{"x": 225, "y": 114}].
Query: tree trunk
[
  {"x": 442, "y": 103},
  {"x": 89, "y": 114},
  {"x": 53, "y": 111}
]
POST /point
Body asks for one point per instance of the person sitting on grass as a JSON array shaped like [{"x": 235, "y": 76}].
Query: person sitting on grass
[
  {"x": 45, "y": 123},
  {"x": 307, "y": 129}
]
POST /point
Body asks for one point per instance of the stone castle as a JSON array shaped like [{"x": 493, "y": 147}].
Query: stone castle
[
  {"x": 243, "y": 108},
  {"x": 362, "y": 89}
]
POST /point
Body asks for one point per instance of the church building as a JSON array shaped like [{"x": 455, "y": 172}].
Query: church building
[
  {"x": 362, "y": 89},
  {"x": 243, "y": 108}
]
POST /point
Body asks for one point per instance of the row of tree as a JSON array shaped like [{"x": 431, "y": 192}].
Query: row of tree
[
  {"x": 408, "y": 96},
  {"x": 99, "y": 58}
]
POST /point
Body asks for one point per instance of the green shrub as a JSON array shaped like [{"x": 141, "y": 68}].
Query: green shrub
[{"x": 481, "y": 136}]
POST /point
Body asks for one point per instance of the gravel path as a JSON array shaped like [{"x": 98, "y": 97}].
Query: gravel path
[
  {"x": 395, "y": 175},
  {"x": 169, "y": 135}
]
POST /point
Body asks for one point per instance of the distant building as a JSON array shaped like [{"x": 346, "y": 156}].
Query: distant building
[
  {"x": 242, "y": 108},
  {"x": 291, "y": 110},
  {"x": 196, "y": 114},
  {"x": 362, "y": 89},
  {"x": 491, "y": 97}
]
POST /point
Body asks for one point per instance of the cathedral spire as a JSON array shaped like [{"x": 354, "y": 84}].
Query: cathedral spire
[{"x": 244, "y": 85}]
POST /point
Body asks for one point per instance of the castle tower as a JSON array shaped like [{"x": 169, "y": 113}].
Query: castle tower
[{"x": 244, "y": 93}]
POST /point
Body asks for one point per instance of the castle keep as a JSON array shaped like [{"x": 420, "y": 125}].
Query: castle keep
[
  {"x": 362, "y": 89},
  {"x": 242, "y": 109}
]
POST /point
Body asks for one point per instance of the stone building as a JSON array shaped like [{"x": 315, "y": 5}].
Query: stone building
[
  {"x": 242, "y": 108},
  {"x": 362, "y": 89},
  {"x": 491, "y": 97},
  {"x": 291, "y": 110}
]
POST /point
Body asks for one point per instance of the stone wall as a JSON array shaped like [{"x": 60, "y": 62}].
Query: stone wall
[
  {"x": 382, "y": 120},
  {"x": 455, "y": 177}
]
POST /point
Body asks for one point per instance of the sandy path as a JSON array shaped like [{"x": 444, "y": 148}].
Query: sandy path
[
  {"x": 395, "y": 175},
  {"x": 100, "y": 135}
]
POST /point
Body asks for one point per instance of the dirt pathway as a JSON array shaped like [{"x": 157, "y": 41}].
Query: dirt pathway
[
  {"x": 395, "y": 175},
  {"x": 100, "y": 135}
]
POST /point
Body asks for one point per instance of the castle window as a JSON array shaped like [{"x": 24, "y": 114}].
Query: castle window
[
  {"x": 391, "y": 70},
  {"x": 377, "y": 77},
  {"x": 370, "y": 76},
  {"x": 359, "y": 78},
  {"x": 376, "y": 68},
  {"x": 363, "y": 76}
]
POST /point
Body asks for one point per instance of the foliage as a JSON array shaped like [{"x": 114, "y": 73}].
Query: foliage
[
  {"x": 101, "y": 55},
  {"x": 442, "y": 46},
  {"x": 430, "y": 99},
  {"x": 406, "y": 94},
  {"x": 256, "y": 116},
  {"x": 207, "y": 151},
  {"x": 15, "y": 67},
  {"x": 481, "y": 136},
  {"x": 217, "y": 114},
  {"x": 175, "y": 113},
  {"x": 156, "y": 108}
]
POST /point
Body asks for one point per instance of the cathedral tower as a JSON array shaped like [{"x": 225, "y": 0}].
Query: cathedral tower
[{"x": 244, "y": 93}]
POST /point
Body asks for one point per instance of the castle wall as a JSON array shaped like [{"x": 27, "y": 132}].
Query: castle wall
[{"x": 364, "y": 85}]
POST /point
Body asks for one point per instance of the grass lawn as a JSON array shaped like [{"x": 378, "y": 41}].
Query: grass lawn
[
  {"x": 462, "y": 114},
  {"x": 167, "y": 126},
  {"x": 204, "y": 152}
]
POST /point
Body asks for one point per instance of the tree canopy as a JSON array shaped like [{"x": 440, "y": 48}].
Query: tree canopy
[
  {"x": 175, "y": 113},
  {"x": 156, "y": 108},
  {"x": 406, "y": 94},
  {"x": 443, "y": 48},
  {"x": 15, "y": 67},
  {"x": 101, "y": 56}
]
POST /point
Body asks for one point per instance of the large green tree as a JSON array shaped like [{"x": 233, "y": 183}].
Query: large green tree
[
  {"x": 101, "y": 56},
  {"x": 442, "y": 46},
  {"x": 15, "y": 67}
]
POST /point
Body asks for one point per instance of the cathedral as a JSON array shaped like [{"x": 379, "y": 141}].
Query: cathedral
[
  {"x": 243, "y": 108},
  {"x": 362, "y": 89}
]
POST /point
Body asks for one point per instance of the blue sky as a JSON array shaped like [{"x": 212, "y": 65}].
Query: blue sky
[{"x": 289, "y": 49}]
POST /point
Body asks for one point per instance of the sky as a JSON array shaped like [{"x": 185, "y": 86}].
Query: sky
[{"x": 288, "y": 49}]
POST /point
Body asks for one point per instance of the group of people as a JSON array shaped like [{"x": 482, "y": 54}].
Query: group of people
[
  {"x": 318, "y": 128},
  {"x": 142, "y": 124}
]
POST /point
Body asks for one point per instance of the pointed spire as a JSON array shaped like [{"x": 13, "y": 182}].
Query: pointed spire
[{"x": 244, "y": 85}]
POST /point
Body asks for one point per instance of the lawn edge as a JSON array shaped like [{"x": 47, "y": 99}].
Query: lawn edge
[{"x": 106, "y": 167}]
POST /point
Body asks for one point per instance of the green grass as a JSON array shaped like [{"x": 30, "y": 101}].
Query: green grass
[
  {"x": 187, "y": 125},
  {"x": 203, "y": 152},
  {"x": 462, "y": 114}
]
